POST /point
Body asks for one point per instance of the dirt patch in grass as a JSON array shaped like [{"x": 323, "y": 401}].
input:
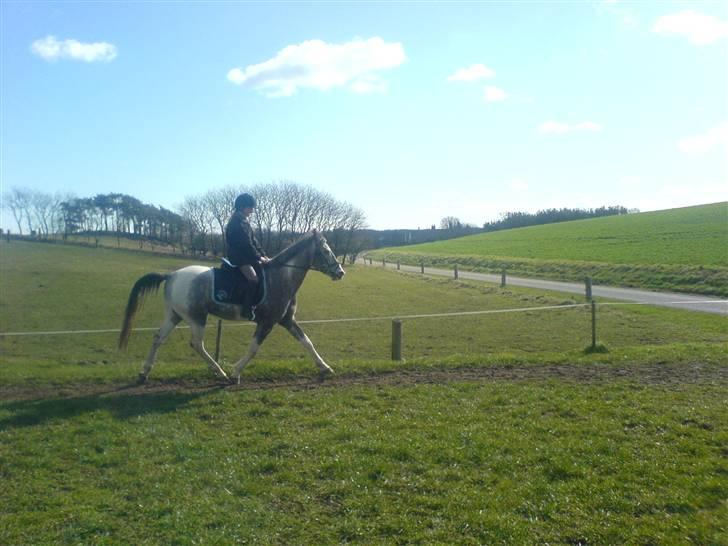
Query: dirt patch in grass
[{"x": 658, "y": 374}]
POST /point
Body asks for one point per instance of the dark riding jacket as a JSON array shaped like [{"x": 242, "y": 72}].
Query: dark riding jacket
[{"x": 242, "y": 246}]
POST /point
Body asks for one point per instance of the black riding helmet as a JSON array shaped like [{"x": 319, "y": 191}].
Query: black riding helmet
[{"x": 244, "y": 200}]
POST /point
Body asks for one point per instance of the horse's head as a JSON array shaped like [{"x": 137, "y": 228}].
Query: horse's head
[{"x": 324, "y": 259}]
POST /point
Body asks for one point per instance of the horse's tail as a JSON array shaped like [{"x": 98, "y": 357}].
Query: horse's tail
[{"x": 148, "y": 283}]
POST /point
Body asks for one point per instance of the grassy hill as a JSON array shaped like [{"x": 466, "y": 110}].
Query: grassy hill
[{"x": 682, "y": 249}]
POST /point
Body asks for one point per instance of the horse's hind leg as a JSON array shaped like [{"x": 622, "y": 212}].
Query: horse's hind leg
[
  {"x": 171, "y": 320},
  {"x": 198, "y": 331},
  {"x": 261, "y": 332},
  {"x": 295, "y": 330}
]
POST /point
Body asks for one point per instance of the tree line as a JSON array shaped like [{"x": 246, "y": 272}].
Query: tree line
[
  {"x": 285, "y": 211},
  {"x": 510, "y": 220},
  {"x": 47, "y": 216}
]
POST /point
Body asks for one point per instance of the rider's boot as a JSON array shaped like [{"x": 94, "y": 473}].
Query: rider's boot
[{"x": 248, "y": 303}]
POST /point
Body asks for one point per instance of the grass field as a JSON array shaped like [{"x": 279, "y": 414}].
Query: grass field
[
  {"x": 496, "y": 429},
  {"x": 681, "y": 249}
]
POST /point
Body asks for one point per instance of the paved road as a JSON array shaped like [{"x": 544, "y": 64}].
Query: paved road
[{"x": 693, "y": 302}]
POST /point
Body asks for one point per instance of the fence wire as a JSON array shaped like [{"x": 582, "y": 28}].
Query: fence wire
[{"x": 361, "y": 319}]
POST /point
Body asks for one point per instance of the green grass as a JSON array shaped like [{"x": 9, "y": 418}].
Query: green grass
[
  {"x": 560, "y": 447},
  {"x": 56, "y": 288},
  {"x": 104, "y": 240},
  {"x": 680, "y": 249},
  {"x": 512, "y": 462}
]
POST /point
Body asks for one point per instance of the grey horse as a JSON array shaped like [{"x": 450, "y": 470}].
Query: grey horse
[{"x": 188, "y": 297}]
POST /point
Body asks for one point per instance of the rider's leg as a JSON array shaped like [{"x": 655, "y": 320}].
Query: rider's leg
[{"x": 250, "y": 291}]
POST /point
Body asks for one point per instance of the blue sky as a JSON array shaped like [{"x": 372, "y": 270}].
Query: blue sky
[{"x": 412, "y": 111}]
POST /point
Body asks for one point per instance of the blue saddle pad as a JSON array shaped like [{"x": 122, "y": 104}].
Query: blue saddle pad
[{"x": 230, "y": 285}]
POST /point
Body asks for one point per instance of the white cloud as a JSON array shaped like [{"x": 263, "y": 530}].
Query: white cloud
[
  {"x": 697, "y": 27},
  {"x": 318, "y": 65},
  {"x": 51, "y": 49},
  {"x": 494, "y": 94},
  {"x": 472, "y": 73},
  {"x": 700, "y": 144},
  {"x": 560, "y": 128}
]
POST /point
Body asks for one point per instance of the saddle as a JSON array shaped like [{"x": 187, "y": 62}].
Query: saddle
[{"x": 230, "y": 286}]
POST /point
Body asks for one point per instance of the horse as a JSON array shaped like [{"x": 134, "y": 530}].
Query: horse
[{"x": 188, "y": 295}]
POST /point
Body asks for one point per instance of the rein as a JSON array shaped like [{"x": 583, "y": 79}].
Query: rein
[
  {"x": 311, "y": 267},
  {"x": 292, "y": 266}
]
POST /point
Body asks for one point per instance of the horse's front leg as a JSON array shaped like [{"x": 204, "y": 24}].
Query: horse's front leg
[
  {"x": 295, "y": 330},
  {"x": 261, "y": 332},
  {"x": 198, "y": 333}
]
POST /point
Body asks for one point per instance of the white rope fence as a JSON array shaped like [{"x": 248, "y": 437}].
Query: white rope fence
[
  {"x": 361, "y": 319},
  {"x": 396, "y": 322}
]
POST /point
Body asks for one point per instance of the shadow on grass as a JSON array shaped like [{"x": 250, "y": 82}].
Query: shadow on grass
[{"x": 121, "y": 406}]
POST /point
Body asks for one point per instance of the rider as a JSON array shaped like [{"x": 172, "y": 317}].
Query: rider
[{"x": 243, "y": 249}]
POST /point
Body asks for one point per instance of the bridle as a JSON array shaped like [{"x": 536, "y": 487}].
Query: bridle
[{"x": 303, "y": 267}]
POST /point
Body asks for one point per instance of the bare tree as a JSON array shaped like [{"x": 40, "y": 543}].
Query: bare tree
[
  {"x": 265, "y": 213},
  {"x": 195, "y": 214},
  {"x": 41, "y": 205},
  {"x": 285, "y": 210},
  {"x": 346, "y": 238},
  {"x": 56, "y": 212},
  {"x": 18, "y": 200},
  {"x": 219, "y": 203},
  {"x": 451, "y": 223}
]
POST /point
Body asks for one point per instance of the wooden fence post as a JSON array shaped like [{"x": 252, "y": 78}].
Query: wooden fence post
[
  {"x": 455, "y": 272},
  {"x": 397, "y": 265},
  {"x": 396, "y": 339},
  {"x": 422, "y": 267},
  {"x": 217, "y": 340},
  {"x": 503, "y": 278},
  {"x": 384, "y": 262},
  {"x": 588, "y": 286},
  {"x": 594, "y": 324}
]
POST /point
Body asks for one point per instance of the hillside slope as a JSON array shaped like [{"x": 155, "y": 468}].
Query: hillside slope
[{"x": 682, "y": 249}]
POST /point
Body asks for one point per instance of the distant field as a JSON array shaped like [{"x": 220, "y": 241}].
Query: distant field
[
  {"x": 496, "y": 429},
  {"x": 681, "y": 249},
  {"x": 111, "y": 241}
]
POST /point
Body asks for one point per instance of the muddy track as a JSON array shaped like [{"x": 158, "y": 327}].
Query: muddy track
[{"x": 650, "y": 374}]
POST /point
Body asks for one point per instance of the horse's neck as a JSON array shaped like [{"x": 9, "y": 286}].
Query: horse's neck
[{"x": 294, "y": 266}]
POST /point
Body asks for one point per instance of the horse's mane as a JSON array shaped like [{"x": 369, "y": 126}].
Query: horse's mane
[{"x": 290, "y": 251}]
